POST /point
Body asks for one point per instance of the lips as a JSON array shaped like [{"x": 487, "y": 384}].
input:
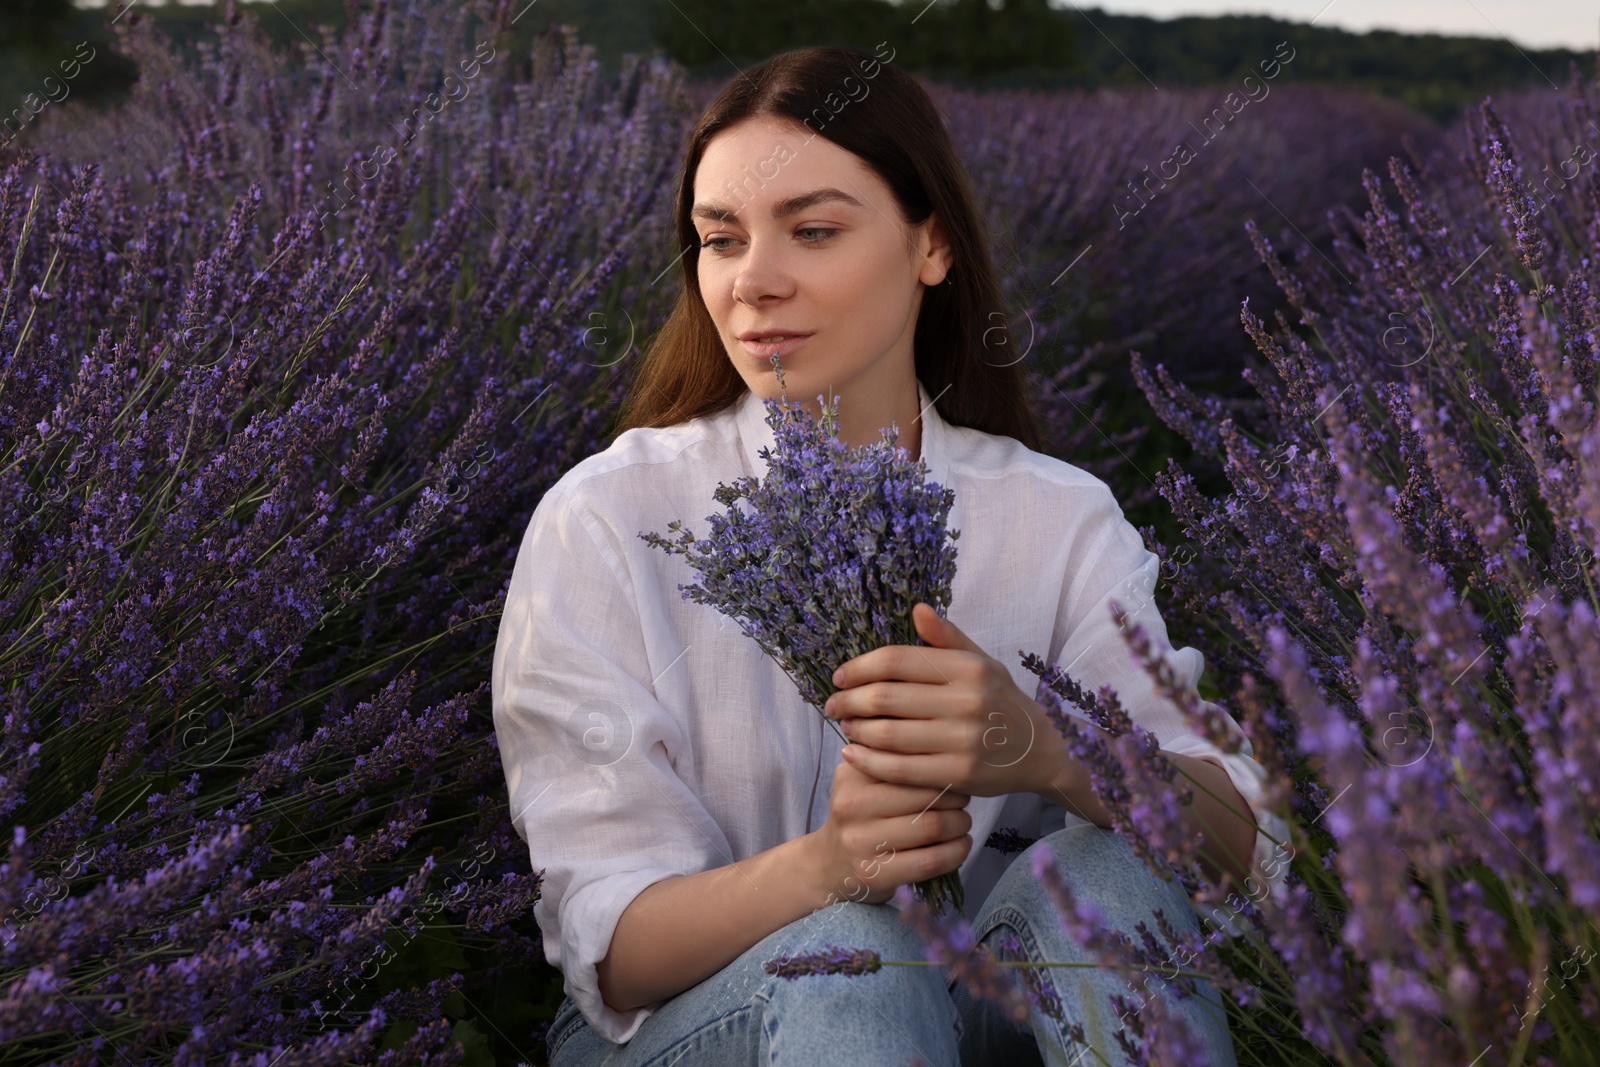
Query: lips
[
  {"x": 768, "y": 349},
  {"x": 772, "y": 330}
]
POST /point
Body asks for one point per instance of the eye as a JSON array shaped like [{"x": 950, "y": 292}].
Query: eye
[{"x": 819, "y": 234}]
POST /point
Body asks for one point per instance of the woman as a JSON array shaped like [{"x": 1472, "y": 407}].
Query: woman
[{"x": 665, "y": 773}]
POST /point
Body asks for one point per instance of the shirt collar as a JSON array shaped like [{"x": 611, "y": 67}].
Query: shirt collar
[{"x": 755, "y": 434}]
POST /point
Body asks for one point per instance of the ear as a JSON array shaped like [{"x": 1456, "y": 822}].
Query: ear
[{"x": 933, "y": 247}]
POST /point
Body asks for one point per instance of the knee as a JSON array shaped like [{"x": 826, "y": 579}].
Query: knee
[
  {"x": 853, "y": 925},
  {"x": 849, "y": 925},
  {"x": 1098, "y": 868}
]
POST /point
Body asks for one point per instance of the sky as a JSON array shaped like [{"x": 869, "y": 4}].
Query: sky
[
  {"x": 1535, "y": 23},
  {"x": 1532, "y": 23}
]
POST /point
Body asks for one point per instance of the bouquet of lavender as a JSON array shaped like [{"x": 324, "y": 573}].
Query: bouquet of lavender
[{"x": 838, "y": 547}]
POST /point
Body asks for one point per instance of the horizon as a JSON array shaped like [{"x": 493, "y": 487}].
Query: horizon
[
  {"x": 1569, "y": 24},
  {"x": 1549, "y": 24}
]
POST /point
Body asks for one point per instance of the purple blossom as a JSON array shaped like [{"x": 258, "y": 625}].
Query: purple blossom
[
  {"x": 1007, "y": 840},
  {"x": 827, "y": 960},
  {"x": 274, "y": 416},
  {"x": 815, "y": 594}
]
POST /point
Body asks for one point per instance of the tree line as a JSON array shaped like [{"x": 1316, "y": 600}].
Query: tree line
[{"x": 972, "y": 43}]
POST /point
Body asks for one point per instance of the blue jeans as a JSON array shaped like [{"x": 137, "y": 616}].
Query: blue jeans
[{"x": 743, "y": 1017}]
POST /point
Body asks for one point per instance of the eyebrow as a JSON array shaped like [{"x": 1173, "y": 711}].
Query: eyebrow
[{"x": 718, "y": 212}]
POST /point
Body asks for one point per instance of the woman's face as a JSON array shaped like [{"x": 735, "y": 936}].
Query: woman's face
[{"x": 838, "y": 270}]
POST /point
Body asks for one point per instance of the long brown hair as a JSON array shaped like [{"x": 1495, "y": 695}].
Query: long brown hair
[{"x": 896, "y": 130}]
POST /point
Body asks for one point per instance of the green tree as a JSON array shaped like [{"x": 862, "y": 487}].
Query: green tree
[
  {"x": 37, "y": 24},
  {"x": 47, "y": 39},
  {"x": 974, "y": 41}
]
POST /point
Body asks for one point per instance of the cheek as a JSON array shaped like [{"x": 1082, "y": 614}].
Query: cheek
[
  {"x": 715, "y": 289},
  {"x": 833, "y": 284},
  {"x": 882, "y": 289},
  {"x": 866, "y": 284}
]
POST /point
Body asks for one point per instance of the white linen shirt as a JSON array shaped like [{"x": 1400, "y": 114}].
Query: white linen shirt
[{"x": 645, "y": 736}]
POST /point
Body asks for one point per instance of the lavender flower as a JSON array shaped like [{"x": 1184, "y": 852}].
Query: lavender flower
[
  {"x": 948, "y": 942},
  {"x": 827, "y": 960},
  {"x": 824, "y": 563},
  {"x": 1035, "y": 980},
  {"x": 257, "y": 507},
  {"x": 1407, "y": 605},
  {"x": 1128, "y": 771},
  {"x": 275, "y": 406},
  {"x": 1007, "y": 840}
]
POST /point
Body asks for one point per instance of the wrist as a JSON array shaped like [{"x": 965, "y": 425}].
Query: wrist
[
  {"x": 1054, "y": 767},
  {"x": 1066, "y": 784},
  {"x": 817, "y": 886}
]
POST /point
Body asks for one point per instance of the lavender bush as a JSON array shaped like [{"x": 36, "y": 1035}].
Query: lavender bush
[
  {"x": 1100, "y": 252},
  {"x": 290, "y": 347},
  {"x": 1405, "y": 592},
  {"x": 815, "y": 595},
  {"x": 1400, "y": 595},
  {"x": 1117, "y": 238},
  {"x": 267, "y": 448}
]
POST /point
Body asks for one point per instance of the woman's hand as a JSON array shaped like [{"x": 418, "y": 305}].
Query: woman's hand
[
  {"x": 880, "y": 836},
  {"x": 947, "y": 716}
]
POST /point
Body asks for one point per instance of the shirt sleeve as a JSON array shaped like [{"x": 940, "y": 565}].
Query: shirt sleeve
[
  {"x": 1115, "y": 565},
  {"x": 587, "y": 749}
]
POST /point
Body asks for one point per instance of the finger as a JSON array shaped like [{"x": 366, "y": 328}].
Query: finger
[
  {"x": 946, "y": 800},
  {"x": 889, "y": 800},
  {"x": 912, "y": 735},
  {"x": 906, "y": 663},
  {"x": 894, "y": 699},
  {"x": 928, "y": 797},
  {"x": 933, "y": 771},
  {"x": 846, "y": 775},
  {"x": 943, "y": 797},
  {"x": 939, "y": 631},
  {"x": 931, "y": 861},
  {"x": 928, "y": 828},
  {"x": 899, "y": 835},
  {"x": 894, "y": 797}
]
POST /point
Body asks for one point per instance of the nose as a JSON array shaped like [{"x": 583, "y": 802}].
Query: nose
[{"x": 761, "y": 274}]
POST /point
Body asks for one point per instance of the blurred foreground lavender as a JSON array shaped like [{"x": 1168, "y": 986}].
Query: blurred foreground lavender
[{"x": 1403, "y": 588}]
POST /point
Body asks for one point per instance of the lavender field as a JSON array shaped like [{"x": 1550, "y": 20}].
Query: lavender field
[{"x": 291, "y": 345}]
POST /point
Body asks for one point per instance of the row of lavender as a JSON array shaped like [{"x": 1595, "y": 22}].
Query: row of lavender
[
  {"x": 287, "y": 363},
  {"x": 291, "y": 349},
  {"x": 1402, "y": 589},
  {"x": 1399, "y": 598}
]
